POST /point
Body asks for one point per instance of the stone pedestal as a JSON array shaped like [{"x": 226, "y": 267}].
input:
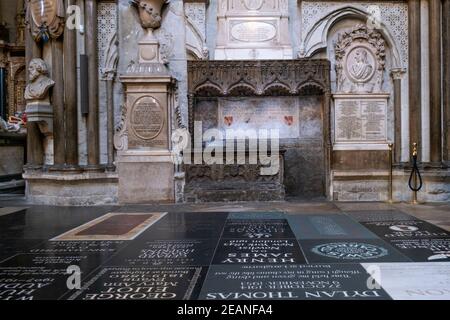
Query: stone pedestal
[
  {"x": 42, "y": 114},
  {"x": 145, "y": 167}
]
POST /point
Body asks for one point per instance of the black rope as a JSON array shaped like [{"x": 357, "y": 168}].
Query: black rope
[{"x": 415, "y": 171}]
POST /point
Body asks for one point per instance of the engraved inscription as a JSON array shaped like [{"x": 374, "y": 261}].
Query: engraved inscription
[
  {"x": 147, "y": 118},
  {"x": 253, "y": 31},
  {"x": 360, "y": 120}
]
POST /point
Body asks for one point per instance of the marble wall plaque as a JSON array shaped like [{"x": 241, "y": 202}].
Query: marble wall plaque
[
  {"x": 289, "y": 282},
  {"x": 257, "y": 229},
  {"x": 414, "y": 229},
  {"x": 416, "y": 281},
  {"x": 252, "y": 31},
  {"x": 360, "y": 119},
  {"x": 123, "y": 283},
  {"x": 280, "y": 113},
  {"x": 428, "y": 249},
  {"x": 113, "y": 226},
  {"x": 332, "y": 226},
  {"x": 157, "y": 253},
  {"x": 258, "y": 251}
]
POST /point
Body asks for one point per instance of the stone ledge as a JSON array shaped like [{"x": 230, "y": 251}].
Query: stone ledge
[{"x": 71, "y": 176}]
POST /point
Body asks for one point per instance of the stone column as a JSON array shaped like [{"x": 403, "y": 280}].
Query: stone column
[
  {"x": 435, "y": 81},
  {"x": 415, "y": 126},
  {"x": 446, "y": 76},
  {"x": 397, "y": 75},
  {"x": 71, "y": 92},
  {"x": 91, "y": 52},
  {"x": 110, "y": 122},
  {"x": 59, "y": 132},
  {"x": 35, "y": 150}
]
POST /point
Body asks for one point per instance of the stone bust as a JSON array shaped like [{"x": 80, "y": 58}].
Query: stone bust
[{"x": 40, "y": 84}]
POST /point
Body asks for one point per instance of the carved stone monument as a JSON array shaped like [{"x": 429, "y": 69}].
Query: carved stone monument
[
  {"x": 39, "y": 108},
  {"x": 360, "y": 105},
  {"x": 253, "y": 29},
  {"x": 146, "y": 171}
]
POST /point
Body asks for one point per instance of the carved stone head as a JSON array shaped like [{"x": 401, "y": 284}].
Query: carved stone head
[
  {"x": 149, "y": 12},
  {"x": 40, "y": 83}
]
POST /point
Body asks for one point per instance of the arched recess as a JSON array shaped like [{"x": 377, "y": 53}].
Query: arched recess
[
  {"x": 195, "y": 42},
  {"x": 316, "y": 38}
]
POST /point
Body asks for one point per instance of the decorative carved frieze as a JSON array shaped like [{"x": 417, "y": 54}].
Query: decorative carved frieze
[
  {"x": 263, "y": 77},
  {"x": 360, "y": 60}
]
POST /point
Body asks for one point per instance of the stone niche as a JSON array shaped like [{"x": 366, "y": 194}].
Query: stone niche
[
  {"x": 289, "y": 96},
  {"x": 360, "y": 103},
  {"x": 253, "y": 29}
]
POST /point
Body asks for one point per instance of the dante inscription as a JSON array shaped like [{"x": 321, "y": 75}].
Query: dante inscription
[{"x": 360, "y": 120}]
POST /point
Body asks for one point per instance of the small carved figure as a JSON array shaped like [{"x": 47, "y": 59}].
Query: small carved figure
[{"x": 362, "y": 68}]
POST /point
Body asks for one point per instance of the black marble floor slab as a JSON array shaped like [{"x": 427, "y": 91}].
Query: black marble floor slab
[
  {"x": 424, "y": 249},
  {"x": 258, "y": 251},
  {"x": 257, "y": 229},
  {"x": 380, "y": 215},
  {"x": 413, "y": 229},
  {"x": 354, "y": 251},
  {"x": 290, "y": 282},
  {"x": 125, "y": 283}
]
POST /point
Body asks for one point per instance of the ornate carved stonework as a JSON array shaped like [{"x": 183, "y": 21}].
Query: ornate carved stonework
[
  {"x": 264, "y": 77},
  {"x": 121, "y": 136},
  {"x": 109, "y": 69},
  {"x": 360, "y": 61},
  {"x": 46, "y": 19},
  {"x": 253, "y": 29},
  {"x": 107, "y": 39}
]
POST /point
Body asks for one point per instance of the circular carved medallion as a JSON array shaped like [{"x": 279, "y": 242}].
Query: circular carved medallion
[
  {"x": 253, "y": 4},
  {"x": 360, "y": 64},
  {"x": 349, "y": 250},
  {"x": 147, "y": 118}
]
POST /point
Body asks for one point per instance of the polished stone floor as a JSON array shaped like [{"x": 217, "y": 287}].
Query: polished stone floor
[{"x": 280, "y": 250}]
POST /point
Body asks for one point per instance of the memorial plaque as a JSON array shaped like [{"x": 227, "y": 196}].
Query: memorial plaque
[
  {"x": 332, "y": 226},
  {"x": 289, "y": 282},
  {"x": 113, "y": 226},
  {"x": 415, "y": 281},
  {"x": 42, "y": 277},
  {"x": 166, "y": 253},
  {"x": 32, "y": 283},
  {"x": 344, "y": 251},
  {"x": 10, "y": 247},
  {"x": 257, "y": 229},
  {"x": 422, "y": 250},
  {"x": 253, "y": 31},
  {"x": 105, "y": 248},
  {"x": 258, "y": 251},
  {"x": 256, "y": 215},
  {"x": 405, "y": 229},
  {"x": 255, "y": 113},
  {"x": 123, "y": 283},
  {"x": 359, "y": 120},
  {"x": 147, "y": 123},
  {"x": 382, "y": 215}
]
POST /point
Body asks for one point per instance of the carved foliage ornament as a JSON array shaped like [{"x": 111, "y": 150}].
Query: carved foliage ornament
[
  {"x": 46, "y": 19},
  {"x": 360, "y": 61}
]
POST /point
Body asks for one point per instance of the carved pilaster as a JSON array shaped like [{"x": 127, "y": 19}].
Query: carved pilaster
[{"x": 397, "y": 76}]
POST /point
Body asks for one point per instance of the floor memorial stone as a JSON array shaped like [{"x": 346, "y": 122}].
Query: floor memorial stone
[
  {"x": 289, "y": 282},
  {"x": 268, "y": 254},
  {"x": 122, "y": 283}
]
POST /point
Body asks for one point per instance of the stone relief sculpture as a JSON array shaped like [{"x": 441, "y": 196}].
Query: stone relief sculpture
[
  {"x": 40, "y": 83},
  {"x": 46, "y": 19},
  {"x": 121, "y": 135},
  {"x": 360, "y": 61}
]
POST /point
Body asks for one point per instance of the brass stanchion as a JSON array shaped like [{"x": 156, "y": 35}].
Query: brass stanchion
[
  {"x": 415, "y": 173},
  {"x": 390, "y": 199}
]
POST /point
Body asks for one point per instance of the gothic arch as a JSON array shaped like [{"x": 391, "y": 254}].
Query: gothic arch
[{"x": 316, "y": 38}]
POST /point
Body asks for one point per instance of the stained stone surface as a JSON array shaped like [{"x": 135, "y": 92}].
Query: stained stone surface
[{"x": 259, "y": 252}]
